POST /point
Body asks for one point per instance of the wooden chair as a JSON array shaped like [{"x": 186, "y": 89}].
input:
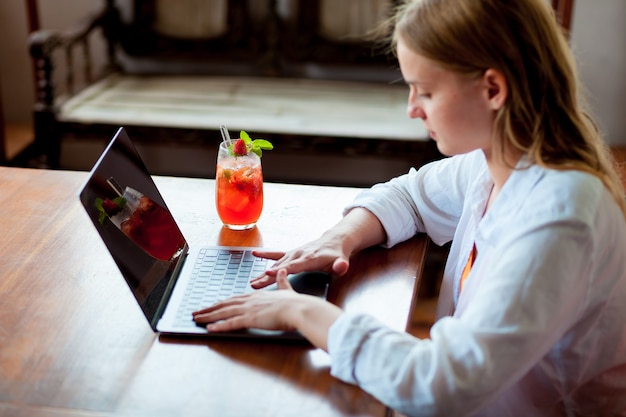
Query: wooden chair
[
  {"x": 317, "y": 35},
  {"x": 3, "y": 155},
  {"x": 564, "y": 12},
  {"x": 131, "y": 47},
  {"x": 3, "y": 149}
]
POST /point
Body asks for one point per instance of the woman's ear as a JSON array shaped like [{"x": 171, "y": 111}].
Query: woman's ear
[{"x": 496, "y": 87}]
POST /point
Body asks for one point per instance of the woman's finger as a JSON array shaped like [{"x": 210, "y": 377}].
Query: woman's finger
[
  {"x": 226, "y": 325},
  {"x": 341, "y": 266},
  {"x": 282, "y": 281},
  {"x": 222, "y": 312},
  {"x": 262, "y": 281},
  {"x": 273, "y": 255},
  {"x": 238, "y": 299}
]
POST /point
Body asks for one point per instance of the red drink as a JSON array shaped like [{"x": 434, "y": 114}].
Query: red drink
[
  {"x": 152, "y": 228},
  {"x": 145, "y": 222},
  {"x": 239, "y": 190}
]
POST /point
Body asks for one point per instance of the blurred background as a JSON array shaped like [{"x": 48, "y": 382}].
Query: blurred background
[{"x": 597, "y": 36}]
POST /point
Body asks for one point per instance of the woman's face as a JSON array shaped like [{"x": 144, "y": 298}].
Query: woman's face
[{"x": 457, "y": 109}]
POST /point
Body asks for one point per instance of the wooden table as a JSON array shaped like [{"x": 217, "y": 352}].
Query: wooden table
[{"x": 74, "y": 343}]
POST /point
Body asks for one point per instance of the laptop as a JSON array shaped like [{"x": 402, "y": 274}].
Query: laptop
[{"x": 170, "y": 280}]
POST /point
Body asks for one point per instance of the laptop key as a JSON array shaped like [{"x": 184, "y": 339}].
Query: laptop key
[{"x": 218, "y": 275}]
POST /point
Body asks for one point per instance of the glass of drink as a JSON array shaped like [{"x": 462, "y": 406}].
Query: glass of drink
[
  {"x": 238, "y": 187},
  {"x": 153, "y": 229},
  {"x": 149, "y": 225},
  {"x": 146, "y": 223}
]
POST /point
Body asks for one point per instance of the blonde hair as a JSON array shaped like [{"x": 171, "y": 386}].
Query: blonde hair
[{"x": 543, "y": 116}]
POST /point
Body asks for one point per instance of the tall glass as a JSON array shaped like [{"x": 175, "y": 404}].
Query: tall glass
[
  {"x": 238, "y": 189},
  {"x": 149, "y": 225}
]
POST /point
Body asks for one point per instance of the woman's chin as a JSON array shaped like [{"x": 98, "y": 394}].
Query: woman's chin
[
  {"x": 444, "y": 150},
  {"x": 450, "y": 150}
]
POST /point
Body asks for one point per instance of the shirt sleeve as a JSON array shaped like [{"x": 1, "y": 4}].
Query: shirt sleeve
[
  {"x": 429, "y": 200},
  {"x": 381, "y": 361},
  {"x": 417, "y": 377}
]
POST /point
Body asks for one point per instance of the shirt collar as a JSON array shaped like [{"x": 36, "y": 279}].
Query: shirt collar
[{"x": 514, "y": 193}]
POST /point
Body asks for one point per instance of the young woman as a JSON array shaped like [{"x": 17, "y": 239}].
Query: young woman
[{"x": 532, "y": 307}]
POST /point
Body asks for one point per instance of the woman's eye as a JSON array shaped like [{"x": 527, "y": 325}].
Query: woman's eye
[{"x": 419, "y": 93}]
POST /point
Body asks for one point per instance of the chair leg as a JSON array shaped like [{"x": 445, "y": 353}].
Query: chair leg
[
  {"x": 47, "y": 144},
  {"x": 3, "y": 148}
]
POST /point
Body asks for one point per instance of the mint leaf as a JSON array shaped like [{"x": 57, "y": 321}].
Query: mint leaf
[
  {"x": 120, "y": 201},
  {"x": 102, "y": 216},
  {"x": 257, "y": 145},
  {"x": 114, "y": 206},
  {"x": 260, "y": 145}
]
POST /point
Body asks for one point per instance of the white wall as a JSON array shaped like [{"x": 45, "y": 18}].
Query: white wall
[
  {"x": 599, "y": 42},
  {"x": 598, "y": 38}
]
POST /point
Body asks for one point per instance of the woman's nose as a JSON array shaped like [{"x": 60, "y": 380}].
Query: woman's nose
[{"x": 415, "y": 112}]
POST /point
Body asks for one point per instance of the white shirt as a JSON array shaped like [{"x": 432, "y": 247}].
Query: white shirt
[{"x": 540, "y": 326}]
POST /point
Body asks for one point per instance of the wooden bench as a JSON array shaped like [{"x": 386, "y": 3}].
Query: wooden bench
[
  {"x": 302, "y": 78},
  {"x": 273, "y": 105}
]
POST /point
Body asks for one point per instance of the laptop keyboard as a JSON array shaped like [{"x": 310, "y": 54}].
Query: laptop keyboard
[{"x": 218, "y": 274}]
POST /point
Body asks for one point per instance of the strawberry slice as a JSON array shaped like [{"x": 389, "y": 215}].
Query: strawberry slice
[
  {"x": 240, "y": 148},
  {"x": 110, "y": 207}
]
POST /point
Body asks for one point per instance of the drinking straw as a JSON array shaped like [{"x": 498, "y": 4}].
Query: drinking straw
[
  {"x": 225, "y": 135},
  {"x": 118, "y": 189}
]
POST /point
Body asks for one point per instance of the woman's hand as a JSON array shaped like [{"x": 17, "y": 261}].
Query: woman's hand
[
  {"x": 284, "y": 309},
  {"x": 323, "y": 254},
  {"x": 331, "y": 252},
  {"x": 262, "y": 309}
]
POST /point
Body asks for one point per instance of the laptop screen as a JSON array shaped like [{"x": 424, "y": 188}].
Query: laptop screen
[{"x": 134, "y": 222}]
